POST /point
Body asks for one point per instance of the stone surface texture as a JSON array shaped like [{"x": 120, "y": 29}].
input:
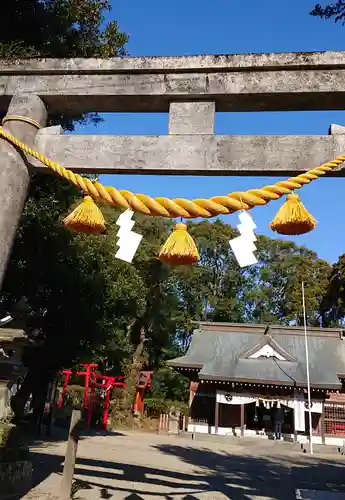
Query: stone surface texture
[
  {"x": 191, "y": 118},
  {"x": 14, "y": 174},
  {"x": 190, "y": 154},
  {"x": 15, "y": 478},
  {"x": 248, "y": 82},
  {"x": 12, "y": 341}
]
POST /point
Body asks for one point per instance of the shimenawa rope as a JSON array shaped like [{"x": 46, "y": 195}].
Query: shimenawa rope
[{"x": 179, "y": 207}]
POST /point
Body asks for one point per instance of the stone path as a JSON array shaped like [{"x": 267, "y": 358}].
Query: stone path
[{"x": 146, "y": 467}]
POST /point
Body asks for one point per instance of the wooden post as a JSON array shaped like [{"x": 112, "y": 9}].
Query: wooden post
[
  {"x": 190, "y": 402},
  {"x": 71, "y": 454},
  {"x": 216, "y": 417},
  {"x": 159, "y": 423},
  {"x": 295, "y": 432},
  {"x": 242, "y": 420},
  {"x": 14, "y": 174},
  {"x": 322, "y": 424},
  {"x": 53, "y": 405},
  {"x": 106, "y": 409}
]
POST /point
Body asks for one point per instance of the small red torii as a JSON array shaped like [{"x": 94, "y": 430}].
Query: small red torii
[
  {"x": 107, "y": 384},
  {"x": 93, "y": 380},
  {"x": 87, "y": 374}
]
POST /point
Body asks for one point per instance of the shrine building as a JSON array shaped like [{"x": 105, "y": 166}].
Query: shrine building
[{"x": 240, "y": 373}]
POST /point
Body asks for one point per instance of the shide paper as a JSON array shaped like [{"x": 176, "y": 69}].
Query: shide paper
[
  {"x": 128, "y": 241},
  {"x": 243, "y": 246}
]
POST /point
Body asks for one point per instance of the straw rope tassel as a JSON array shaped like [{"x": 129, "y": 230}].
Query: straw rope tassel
[
  {"x": 293, "y": 218},
  {"x": 179, "y": 248},
  {"x": 179, "y": 207},
  {"x": 86, "y": 218}
]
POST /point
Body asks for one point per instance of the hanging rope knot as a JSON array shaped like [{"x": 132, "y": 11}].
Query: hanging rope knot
[
  {"x": 292, "y": 197},
  {"x": 293, "y": 218},
  {"x": 86, "y": 218}
]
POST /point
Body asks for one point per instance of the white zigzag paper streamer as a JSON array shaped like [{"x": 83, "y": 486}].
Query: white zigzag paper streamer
[
  {"x": 243, "y": 246},
  {"x": 128, "y": 241}
]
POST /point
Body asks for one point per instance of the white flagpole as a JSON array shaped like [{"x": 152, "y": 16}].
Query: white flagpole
[{"x": 308, "y": 377}]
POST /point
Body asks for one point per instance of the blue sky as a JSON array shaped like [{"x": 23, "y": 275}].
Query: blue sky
[{"x": 234, "y": 26}]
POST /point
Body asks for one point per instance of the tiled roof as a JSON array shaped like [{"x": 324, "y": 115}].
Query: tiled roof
[{"x": 223, "y": 352}]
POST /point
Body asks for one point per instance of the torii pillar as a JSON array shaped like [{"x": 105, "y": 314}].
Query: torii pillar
[{"x": 14, "y": 170}]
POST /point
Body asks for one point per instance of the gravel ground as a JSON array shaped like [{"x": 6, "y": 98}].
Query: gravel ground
[{"x": 133, "y": 465}]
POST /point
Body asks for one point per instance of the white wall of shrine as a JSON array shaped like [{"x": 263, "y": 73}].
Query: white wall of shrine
[
  {"x": 298, "y": 403},
  {"x": 229, "y": 432}
]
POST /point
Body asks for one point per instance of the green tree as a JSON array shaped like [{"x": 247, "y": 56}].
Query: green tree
[
  {"x": 335, "y": 11},
  {"x": 58, "y": 274},
  {"x": 209, "y": 290},
  {"x": 333, "y": 304},
  {"x": 169, "y": 389},
  {"x": 272, "y": 289},
  {"x": 60, "y": 28},
  {"x": 217, "y": 289},
  {"x": 78, "y": 294}
]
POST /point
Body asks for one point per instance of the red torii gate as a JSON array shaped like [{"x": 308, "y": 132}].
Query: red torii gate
[
  {"x": 107, "y": 383},
  {"x": 87, "y": 374}
]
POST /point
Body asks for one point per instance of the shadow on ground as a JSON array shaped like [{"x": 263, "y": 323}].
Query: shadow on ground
[
  {"x": 61, "y": 434},
  {"x": 241, "y": 477},
  {"x": 235, "y": 476}
]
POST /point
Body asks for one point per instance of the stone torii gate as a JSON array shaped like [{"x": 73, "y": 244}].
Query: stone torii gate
[{"x": 191, "y": 89}]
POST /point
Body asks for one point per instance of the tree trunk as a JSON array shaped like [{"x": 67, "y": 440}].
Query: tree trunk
[
  {"x": 36, "y": 384},
  {"x": 39, "y": 397},
  {"x": 140, "y": 347},
  {"x": 134, "y": 370}
]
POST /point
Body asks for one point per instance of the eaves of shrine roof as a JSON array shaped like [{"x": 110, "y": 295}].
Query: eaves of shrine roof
[{"x": 226, "y": 352}]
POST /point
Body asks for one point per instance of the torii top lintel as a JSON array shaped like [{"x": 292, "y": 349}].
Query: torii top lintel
[{"x": 238, "y": 82}]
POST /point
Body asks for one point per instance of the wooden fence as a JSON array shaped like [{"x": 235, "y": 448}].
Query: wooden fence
[{"x": 163, "y": 423}]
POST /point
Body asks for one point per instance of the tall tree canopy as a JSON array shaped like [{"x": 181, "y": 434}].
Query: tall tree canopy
[
  {"x": 269, "y": 292},
  {"x": 60, "y": 28},
  {"x": 333, "y": 304}
]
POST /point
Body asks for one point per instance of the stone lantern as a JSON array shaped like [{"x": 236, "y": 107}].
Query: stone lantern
[{"x": 12, "y": 343}]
